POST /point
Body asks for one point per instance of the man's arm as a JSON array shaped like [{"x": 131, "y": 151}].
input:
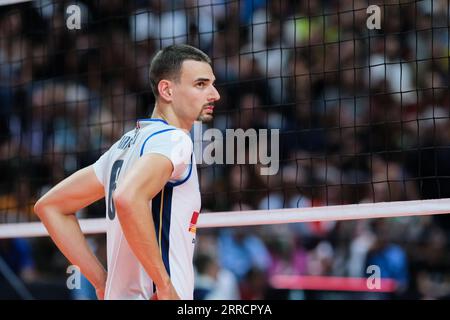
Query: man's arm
[
  {"x": 57, "y": 208},
  {"x": 131, "y": 199}
]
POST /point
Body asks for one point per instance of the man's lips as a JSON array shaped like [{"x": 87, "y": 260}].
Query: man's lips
[{"x": 209, "y": 107}]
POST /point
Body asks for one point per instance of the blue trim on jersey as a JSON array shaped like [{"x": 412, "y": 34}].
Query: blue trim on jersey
[
  {"x": 176, "y": 184},
  {"x": 153, "y": 134},
  {"x": 166, "y": 217},
  {"x": 156, "y": 204},
  {"x": 153, "y": 119},
  {"x": 167, "y": 213}
]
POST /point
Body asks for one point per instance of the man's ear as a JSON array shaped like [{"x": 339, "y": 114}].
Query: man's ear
[{"x": 165, "y": 90}]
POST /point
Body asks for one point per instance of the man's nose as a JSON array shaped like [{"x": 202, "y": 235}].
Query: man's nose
[{"x": 214, "y": 94}]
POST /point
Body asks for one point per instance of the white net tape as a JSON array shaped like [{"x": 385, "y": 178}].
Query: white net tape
[
  {"x": 8, "y": 2},
  {"x": 264, "y": 217}
]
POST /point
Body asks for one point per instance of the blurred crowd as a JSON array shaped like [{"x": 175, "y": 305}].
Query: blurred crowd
[{"x": 364, "y": 116}]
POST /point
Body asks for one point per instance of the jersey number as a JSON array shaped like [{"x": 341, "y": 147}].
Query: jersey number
[{"x": 115, "y": 171}]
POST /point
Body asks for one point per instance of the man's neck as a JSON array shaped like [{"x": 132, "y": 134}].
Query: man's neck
[{"x": 170, "y": 118}]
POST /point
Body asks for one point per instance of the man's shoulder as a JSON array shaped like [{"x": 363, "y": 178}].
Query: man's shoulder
[{"x": 165, "y": 132}]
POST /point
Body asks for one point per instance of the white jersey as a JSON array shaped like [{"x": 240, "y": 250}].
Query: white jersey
[{"x": 174, "y": 210}]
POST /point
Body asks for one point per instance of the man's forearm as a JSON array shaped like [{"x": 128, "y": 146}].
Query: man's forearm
[
  {"x": 56, "y": 210},
  {"x": 139, "y": 230},
  {"x": 65, "y": 231}
]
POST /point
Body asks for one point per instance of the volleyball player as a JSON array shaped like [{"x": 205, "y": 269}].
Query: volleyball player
[{"x": 150, "y": 184}]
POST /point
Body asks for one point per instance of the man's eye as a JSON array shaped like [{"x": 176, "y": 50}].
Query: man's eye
[{"x": 200, "y": 84}]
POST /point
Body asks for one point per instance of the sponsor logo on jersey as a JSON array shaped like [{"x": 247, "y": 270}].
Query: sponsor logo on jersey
[{"x": 193, "y": 224}]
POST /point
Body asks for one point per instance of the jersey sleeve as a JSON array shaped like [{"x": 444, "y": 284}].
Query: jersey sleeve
[
  {"x": 176, "y": 146},
  {"x": 100, "y": 166}
]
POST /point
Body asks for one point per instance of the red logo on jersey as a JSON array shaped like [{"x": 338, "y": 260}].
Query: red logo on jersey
[{"x": 193, "y": 224}]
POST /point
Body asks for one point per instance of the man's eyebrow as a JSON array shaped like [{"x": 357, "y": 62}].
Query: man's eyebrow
[{"x": 204, "y": 80}]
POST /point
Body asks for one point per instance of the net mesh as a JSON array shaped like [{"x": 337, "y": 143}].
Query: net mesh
[{"x": 363, "y": 113}]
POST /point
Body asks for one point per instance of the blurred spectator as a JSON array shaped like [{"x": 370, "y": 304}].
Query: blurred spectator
[
  {"x": 213, "y": 282},
  {"x": 254, "y": 286},
  {"x": 17, "y": 253},
  {"x": 239, "y": 252},
  {"x": 389, "y": 257},
  {"x": 288, "y": 257}
]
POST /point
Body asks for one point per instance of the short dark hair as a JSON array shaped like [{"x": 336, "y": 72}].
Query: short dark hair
[{"x": 167, "y": 63}]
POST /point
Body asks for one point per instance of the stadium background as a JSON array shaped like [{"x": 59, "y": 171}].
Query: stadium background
[{"x": 363, "y": 116}]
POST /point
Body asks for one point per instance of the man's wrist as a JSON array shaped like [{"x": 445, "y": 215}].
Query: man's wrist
[
  {"x": 100, "y": 281},
  {"x": 164, "y": 285}
]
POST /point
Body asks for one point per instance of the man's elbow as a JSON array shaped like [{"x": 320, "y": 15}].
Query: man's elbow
[
  {"x": 123, "y": 202},
  {"x": 39, "y": 208}
]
